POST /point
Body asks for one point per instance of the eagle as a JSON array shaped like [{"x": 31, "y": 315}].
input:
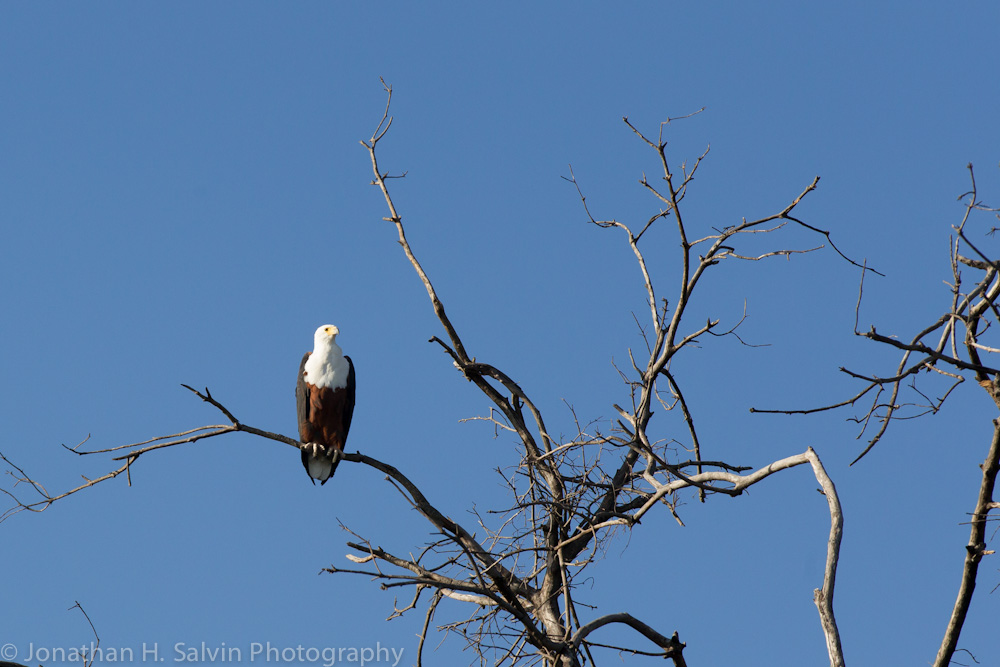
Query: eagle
[{"x": 324, "y": 396}]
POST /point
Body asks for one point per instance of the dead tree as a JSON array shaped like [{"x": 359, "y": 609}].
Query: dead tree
[{"x": 569, "y": 497}]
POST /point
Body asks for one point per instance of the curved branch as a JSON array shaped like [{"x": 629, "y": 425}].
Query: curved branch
[
  {"x": 672, "y": 647},
  {"x": 823, "y": 597}
]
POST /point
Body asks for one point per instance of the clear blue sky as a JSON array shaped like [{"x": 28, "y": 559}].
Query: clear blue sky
[{"x": 184, "y": 199}]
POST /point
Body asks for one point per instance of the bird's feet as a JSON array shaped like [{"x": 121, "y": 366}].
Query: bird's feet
[
  {"x": 318, "y": 451},
  {"x": 314, "y": 449}
]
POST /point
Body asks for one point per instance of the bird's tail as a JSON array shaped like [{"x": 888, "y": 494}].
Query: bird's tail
[{"x": 320, "y": 462}]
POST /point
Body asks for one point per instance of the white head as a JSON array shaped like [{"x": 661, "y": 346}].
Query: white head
[{"x": 325, "y": 336}]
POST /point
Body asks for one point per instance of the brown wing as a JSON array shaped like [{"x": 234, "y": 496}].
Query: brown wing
[
  {"x": 302, "y": 403},
  {"x": 349, "y": 405}
]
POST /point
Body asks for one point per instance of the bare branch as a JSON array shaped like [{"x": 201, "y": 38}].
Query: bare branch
[
  {"x": 974, "y": 551},
  {"x": 88, "y": 661},
  {"x": 672, "y": 647},
  {"x": 823, "y": 597}
]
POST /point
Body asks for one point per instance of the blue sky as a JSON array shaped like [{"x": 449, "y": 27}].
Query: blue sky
[{"x": 184, "y": 200}]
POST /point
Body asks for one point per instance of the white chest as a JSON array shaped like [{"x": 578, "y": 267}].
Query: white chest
[{"x": 327, "y": 370}]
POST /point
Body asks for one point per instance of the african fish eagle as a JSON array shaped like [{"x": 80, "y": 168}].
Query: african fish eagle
[{"x": 325, "y": 399}]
